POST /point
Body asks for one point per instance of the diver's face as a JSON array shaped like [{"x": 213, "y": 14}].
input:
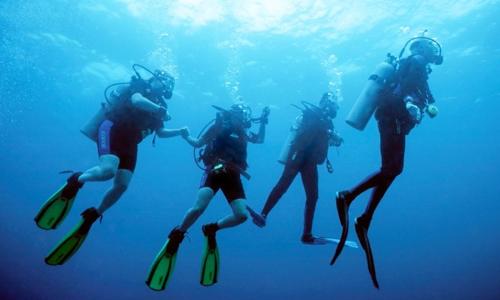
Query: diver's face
[{"x": 159, "y": 88}]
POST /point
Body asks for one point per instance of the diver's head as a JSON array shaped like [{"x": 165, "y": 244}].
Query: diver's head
[
  {"x": 329, "y": 104},
  {"x": 428, "y": 48},
  {"x": 240, "y": 115},
  {"x": 162, "y": 83}
]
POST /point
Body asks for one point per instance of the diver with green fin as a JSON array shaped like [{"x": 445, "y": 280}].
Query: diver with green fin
[
  {"x": 306, "y": 148},
  {"x": 132, "y": 111},
  {"x": 225, "y": 160},
  {"x": 399, "y": 95}
]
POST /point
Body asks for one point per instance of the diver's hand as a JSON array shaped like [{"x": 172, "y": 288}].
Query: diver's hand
[
  {"x": 265, "y": 114},
  {"x": 432, "y": 110},
  {"x": 184, "y": 132},
  {"x": 414, "y": 112},
  {"x": 335, "y": 139}
]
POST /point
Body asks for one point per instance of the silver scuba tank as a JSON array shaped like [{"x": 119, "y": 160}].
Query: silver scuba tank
[
  {"x": 91, "y": 128},
  {"x": 370, "y": 96},
  {"x": 289, "y": 148}
]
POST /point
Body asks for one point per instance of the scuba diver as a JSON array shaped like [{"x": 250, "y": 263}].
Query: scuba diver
[
  {"x": 225, "y": 160},
  {"x": 131, "y": 112},
  {"x": 306, "y": 148},
  {"x": 400, "y": 94}
]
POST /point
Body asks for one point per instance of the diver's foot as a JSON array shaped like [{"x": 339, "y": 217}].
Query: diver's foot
[
  {"x": 209, "y": 230},
  {"x": 310, "y": 239},
  {"x": 175, "y": 238},
  {"x": 343, "y": 200},
  {"x": 72, "y": 186},
  {"x": 362, "y": 224},
  {"x": 90, "y": 215},
  {"x": 258, "y": 219}
]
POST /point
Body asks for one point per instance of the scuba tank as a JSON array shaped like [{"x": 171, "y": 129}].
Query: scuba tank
[
  {"x": 287, "y": 152},
  {"x": 295, "y": 139},
  {"x": 91, "y": 128},
  {"x": 113, "y": 101},
  {"x": 370, "y": 96}
]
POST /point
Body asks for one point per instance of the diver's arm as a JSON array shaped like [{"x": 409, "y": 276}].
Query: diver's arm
[
  {"x": 167, "y": 133},
  {"x": 197, "y": 143},
  {"x": 260, "y": 136},
  {"x": 201, "y": 141},
  {"x": 334, "y": 139},
  {"x": 143, "y": 103}
]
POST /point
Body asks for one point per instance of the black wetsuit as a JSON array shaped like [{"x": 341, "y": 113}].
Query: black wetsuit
[
  {"x": 126, "y": 126},
  {"x": 225, "y": 158},
  {"x": 312, "y": 148},
  {"x": 394, "y": 123}
]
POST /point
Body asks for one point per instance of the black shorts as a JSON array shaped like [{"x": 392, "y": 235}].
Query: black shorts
[
  {"x": 227, "y": 180},
  {"x": 112, "y": 140}
]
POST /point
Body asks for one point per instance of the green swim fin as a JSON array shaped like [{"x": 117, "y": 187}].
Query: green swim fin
[
  {"x": 164, "y": 263},
  {"x": 210, "y": 260},
  {"x": 75, "y": 238},
  {"x": 59, "y": 204}
]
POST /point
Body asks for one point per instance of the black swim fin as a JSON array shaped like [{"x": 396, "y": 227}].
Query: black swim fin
[
  {"x": 362, "y": 232},
  {"x": 72, "y": 242},
  {"x": 164, "y": 263},
  {"x": 59, "y": 204},
  {"x": 343, "y": 212},
  {"x": 210, "y": 260}
]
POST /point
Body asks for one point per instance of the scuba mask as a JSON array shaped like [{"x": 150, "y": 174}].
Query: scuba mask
[
  {"x": 425, "y": 46},
  {"x": 329, "y": 105},
  {"x": 241, "y": 115},
  {"x": 167, "y": 82}
]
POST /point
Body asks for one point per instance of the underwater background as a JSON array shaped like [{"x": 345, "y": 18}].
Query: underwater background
[{"x": 434, "y": 236}]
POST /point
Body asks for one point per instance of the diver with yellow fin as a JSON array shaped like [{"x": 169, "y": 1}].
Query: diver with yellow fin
[
  {"x": 132, "y": 111},
  {"x": 225, "y": 160},
  {"x": 399, "y": 95}
]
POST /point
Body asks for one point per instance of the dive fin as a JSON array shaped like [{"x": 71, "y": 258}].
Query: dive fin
[
  {"x": 164, "y": 263},
  {"x": 362, "y": 233},
  {"x": 162, "y": 268},
  {"x": 75, "y": 238},
  {"x": 55, "y": 210},
  {"x": 318, "y": 240},
  {"x": 343, "y": 212},
  {"x": 210, "y": 260}
]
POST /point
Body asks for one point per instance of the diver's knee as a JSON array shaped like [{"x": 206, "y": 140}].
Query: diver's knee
[
  {"x": 242, "y": 217},
  {"x": 108, "y": 172},
  {"x": 391, "y": 173}
]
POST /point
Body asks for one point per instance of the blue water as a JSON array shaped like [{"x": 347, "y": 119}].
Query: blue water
[{"x": 434, "y": 236}]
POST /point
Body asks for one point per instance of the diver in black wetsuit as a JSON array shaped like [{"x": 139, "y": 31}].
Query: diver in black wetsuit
[
  {"x": 307, "y": 148},
  {"x": 400, "y": 110}
]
